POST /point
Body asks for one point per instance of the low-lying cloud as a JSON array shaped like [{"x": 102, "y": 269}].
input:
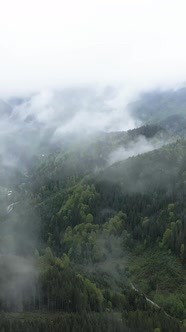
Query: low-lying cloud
[
  {"x": 136, "y": 147},
  {"x": 18, "y": 282},
  {"x": 28, "y": 124},
  {"x": 79, "y": 110}
]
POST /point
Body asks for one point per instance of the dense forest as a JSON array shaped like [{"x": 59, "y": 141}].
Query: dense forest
[{"x": 93, "y": 233}]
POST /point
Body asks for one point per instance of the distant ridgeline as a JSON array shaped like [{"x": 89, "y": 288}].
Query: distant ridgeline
[{"x": 168, "y": 108}]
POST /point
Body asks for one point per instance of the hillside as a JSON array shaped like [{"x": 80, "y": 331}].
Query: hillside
[
  {"x": 92, "y": 166},
  {"x": 156, "y": 106},
  {"x": 93, "y": 227},
  {"x": 104, "y": 228}
]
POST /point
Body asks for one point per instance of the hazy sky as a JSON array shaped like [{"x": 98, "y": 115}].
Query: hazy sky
[{"x": 53, "y": 43}]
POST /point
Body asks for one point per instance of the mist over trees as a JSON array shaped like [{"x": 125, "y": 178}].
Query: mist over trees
[{"x": 92, "y": 224}]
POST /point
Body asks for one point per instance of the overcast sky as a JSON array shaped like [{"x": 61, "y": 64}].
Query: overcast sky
[{"x": 54, "y": 43}]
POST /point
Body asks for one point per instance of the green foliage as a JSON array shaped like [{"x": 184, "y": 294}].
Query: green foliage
[
  {"x": 100, "y": 233},
  {"x": 172, "y": 304},
  {"x": 57, "y": 322}
]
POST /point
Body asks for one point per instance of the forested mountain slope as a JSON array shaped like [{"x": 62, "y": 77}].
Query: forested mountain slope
[
  {"x": 161, "y": 168},
  {"x": 156, "y": 106},
  {"x": 95, "y": 229}
]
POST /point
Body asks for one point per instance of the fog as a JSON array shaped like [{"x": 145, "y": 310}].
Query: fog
[
  {"x": 28, "y": 125},
  {"x": 18, "y": 240},
  {"x": 136, "y": 147},
  {"x": 86, "y": 109},
  {"x": 52, "y": 44},
  {"x": 17, "y": 281},
  {"x": 73, "y": 69}
]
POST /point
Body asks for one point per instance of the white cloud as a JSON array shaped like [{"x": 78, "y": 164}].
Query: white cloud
[
  {"x": 53, "y": 43},
  {"x": 136, "y": 147},
  {"x": 87, "y": 110}
]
